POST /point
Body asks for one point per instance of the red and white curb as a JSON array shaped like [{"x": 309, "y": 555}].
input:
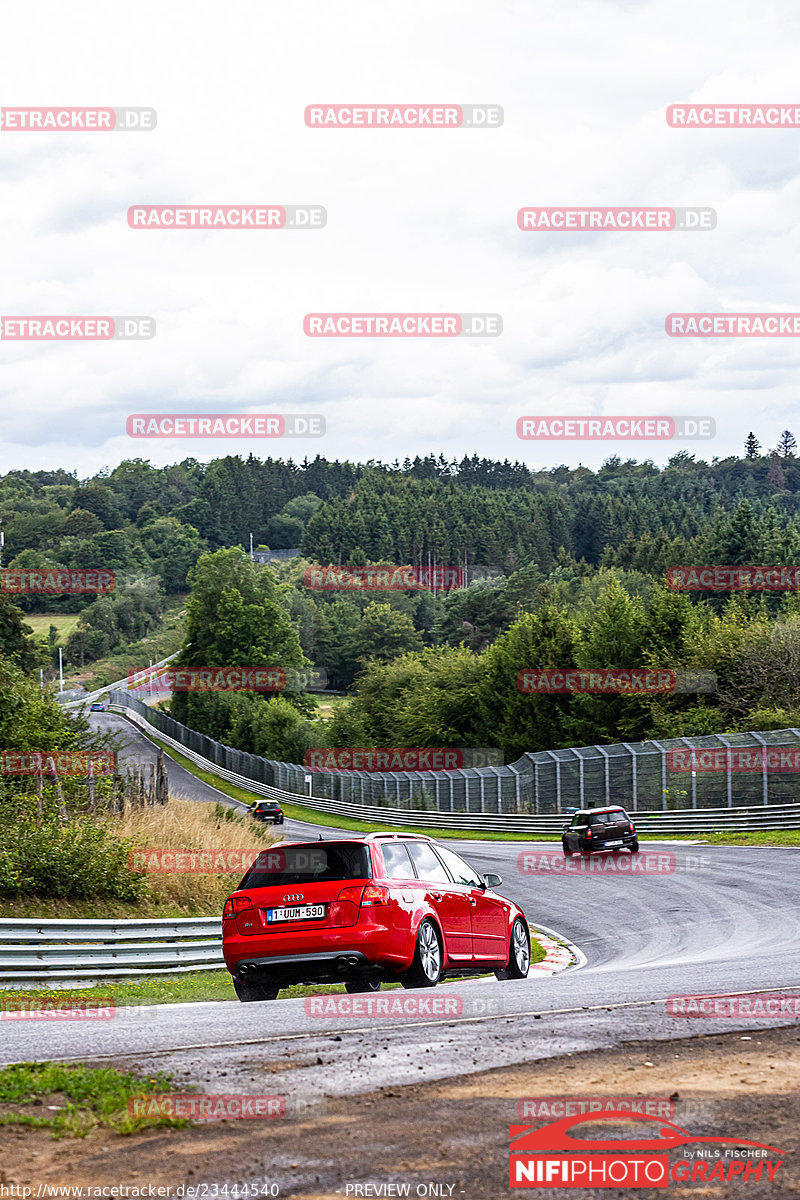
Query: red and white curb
[{"x": 560, "y": 953}]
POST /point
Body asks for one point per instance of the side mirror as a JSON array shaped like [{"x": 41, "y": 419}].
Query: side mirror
[
  {"x": 492, "y": 881},
  {"x": 564, "y": 828}
]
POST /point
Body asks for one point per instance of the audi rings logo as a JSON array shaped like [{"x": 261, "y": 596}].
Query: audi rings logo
[{"x": 293, "y": 896}]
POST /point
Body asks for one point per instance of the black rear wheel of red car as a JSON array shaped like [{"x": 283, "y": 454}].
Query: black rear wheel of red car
[
  {"x": 426, "y": 968},
  {"x": 635, "y": 846},
  {"x": 249, "y": 991},
  {"x": 363, "y": 985}
]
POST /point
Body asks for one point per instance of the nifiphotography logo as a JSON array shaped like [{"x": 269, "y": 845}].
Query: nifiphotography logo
[{"x": 551, "y": 1156}]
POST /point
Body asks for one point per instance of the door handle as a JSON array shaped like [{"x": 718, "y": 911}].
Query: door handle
[
  {"x": 436, "y": 895},
  {"x": 472, "y": 902}
]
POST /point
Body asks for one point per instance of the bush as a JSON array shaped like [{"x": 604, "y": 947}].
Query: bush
[{"x": 78, "y": 861}]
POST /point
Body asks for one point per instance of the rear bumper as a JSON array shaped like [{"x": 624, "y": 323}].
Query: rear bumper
[
  {"x": 589, "y": 847},
  {"x": 311, "y": 955},
  {"x": 328, "y": 967}
]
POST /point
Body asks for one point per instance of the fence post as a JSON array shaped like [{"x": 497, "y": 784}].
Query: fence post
[
  {"x": 765, "y": 776},
  {"x": 728, "y": 765},
  {"x": 634, "y": 791},
  {"x": 606, "y": 773}
]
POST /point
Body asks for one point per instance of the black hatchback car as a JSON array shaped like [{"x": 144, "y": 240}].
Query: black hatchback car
[
  {"x": 268, "y": 810},
  {"x": 599, "y": 829}
]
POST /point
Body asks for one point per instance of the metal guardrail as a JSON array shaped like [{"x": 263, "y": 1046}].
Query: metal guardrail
[
  {"x": 680, "y": 822},
  {"x": 120, "y": 683},
  {"x": 51, "y": 951}
]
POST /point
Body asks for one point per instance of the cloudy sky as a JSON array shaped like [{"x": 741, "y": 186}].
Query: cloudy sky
[{"x": 418, "y": 221}]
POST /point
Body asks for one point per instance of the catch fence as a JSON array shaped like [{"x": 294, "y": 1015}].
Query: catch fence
[{"x": 748, "y": 770}]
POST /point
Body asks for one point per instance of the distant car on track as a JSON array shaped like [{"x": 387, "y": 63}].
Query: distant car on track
[
  {"x": 268, "y": 810},
  {"x": 97, "y": 707},
  {"x": 386, "y": 906},
  {"x": 594, "y": 829}
]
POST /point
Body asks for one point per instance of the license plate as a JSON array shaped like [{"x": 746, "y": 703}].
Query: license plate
[
  {"x": 302, "y": 912},
  {"x": 615, "y": 843}
]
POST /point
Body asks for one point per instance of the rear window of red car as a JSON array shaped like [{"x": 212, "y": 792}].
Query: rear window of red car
[{"x": 308, "y": 862}]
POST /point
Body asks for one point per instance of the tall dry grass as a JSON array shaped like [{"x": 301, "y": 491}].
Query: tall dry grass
[{"x": 186, "y": 825}]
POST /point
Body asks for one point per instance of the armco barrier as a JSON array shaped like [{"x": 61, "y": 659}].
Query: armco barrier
[
  {"x": 680, "y": 822},
  {"x": 49, "y": 951}
]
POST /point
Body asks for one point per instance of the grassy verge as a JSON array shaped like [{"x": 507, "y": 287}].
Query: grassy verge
[
  {"x": 755, "y": 837},
  {"x": 73, "y": 1100}
]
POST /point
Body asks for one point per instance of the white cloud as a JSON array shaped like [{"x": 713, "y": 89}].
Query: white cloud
[{"x": 417, "y": 221}]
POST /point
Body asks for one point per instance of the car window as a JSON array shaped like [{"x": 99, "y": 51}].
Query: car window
[
  {"x": 578, "y": 820},
  {"x": 427, "y": 865},
  {"x": 609, "y": 818},
  {"x": 308, "y": 862},
  {"x": 462, "y": 872},
  {"x": 396, "y": 862}
]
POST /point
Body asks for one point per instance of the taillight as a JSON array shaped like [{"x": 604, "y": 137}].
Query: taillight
[
  {"x": 351, "y": 894},
  {"x": 234, "y": 905},
  {"x": 373, "y": 894},
  {"x": 631, "y": 828},
  {"x": 588, "y": 833}
]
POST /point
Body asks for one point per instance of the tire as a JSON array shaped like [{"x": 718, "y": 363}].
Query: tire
[
  {"x": 635, "y": 846},
  {"x": 248, "y": 992},
  {"x": 519, "y": 953},
  {"x": 363, "y": 985},
  {"x": 566, "y": 849},
  {"x": 426, "y": 967}
]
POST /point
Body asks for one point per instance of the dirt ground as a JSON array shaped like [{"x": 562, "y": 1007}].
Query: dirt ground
[{"x": 447, "y": 1139}]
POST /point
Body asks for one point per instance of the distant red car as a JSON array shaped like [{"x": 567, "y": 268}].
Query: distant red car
[{"x": 387, "y": 906}]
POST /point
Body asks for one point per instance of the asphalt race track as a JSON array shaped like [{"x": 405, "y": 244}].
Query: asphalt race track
[{"x": 726, "y": 919}]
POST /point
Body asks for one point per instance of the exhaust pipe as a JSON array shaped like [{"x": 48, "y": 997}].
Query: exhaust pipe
[
  {"x": 342, "y": 963},
  {"x": 352, "y": 961}
]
